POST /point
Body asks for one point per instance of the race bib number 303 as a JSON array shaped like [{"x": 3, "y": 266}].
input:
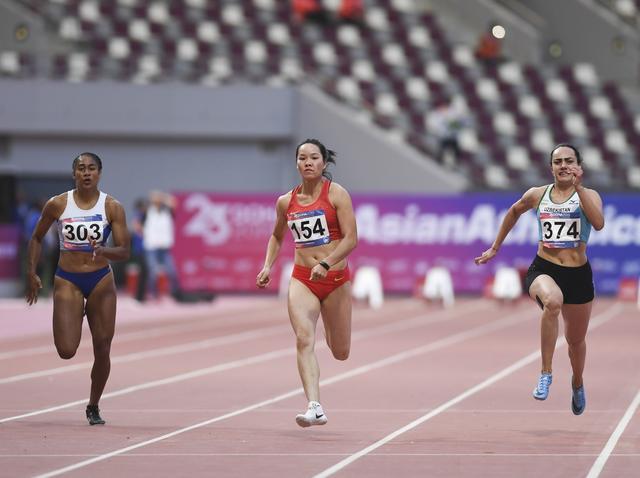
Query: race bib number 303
[
  {"x": 77, "y": 233},
  {"x": 309, "y": 228}
]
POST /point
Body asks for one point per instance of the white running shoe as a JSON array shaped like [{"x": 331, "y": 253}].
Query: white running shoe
[{"x": 313, "y": 416}]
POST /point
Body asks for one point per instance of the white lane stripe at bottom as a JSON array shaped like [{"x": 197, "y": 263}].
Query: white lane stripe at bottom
[
  {"x": 418, "y": 320},
  {"x": 598, "y": 320},
  {"x": 456, "y": 338},
  {"x": 598, "y": 465}
]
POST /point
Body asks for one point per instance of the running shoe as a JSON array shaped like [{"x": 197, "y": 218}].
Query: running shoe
[
  {"x": 541, "y": 392},
  {"x": 313, "y": 416},
  {"x": 578, "y": 400},
  {"x": 93, "y": 415}
]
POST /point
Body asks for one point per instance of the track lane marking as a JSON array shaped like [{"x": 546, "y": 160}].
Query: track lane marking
[
  {"x": 604, "y": 455},
  {"x": 419, "y": 320},
  {"x": 526, "y": 360},
  {"x": 158, "y": 352},
  {"x": 458, "y": 337}
]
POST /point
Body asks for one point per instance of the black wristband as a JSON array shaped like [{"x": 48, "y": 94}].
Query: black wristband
[{"x": 325, "y": 265}]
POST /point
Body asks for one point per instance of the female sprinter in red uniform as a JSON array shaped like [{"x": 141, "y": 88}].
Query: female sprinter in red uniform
[
  {"x": 320, "y": 216},
  {"x": 560, "y": 277},
  {"x": 85, "y": 218}
]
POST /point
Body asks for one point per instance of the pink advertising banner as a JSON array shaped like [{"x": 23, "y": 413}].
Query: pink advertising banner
[
  {"x": 222, "y": 238},
  {"x": 221, "y": 241}
]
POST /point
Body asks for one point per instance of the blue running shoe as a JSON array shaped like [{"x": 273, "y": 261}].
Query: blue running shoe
[
  {"x": 578, "y": 400},
  {"x": 541, "y": 392}
]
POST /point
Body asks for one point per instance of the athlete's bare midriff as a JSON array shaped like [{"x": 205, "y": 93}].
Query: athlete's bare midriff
[
  {"x": 310, "y": 256},
  {"x": 81, "y": 262},
  {"x": 569, "y": 257}
]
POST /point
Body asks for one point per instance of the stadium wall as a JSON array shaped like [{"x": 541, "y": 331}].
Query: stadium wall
[{"x": 181, "y": 137}]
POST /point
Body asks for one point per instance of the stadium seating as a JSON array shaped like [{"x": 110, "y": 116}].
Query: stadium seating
[
  {"x": 395, "y": 66},
  {"x": 627, "y": 10}
]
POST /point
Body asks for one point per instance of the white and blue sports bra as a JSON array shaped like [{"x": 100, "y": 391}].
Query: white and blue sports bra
[
  {"x": 78, "y": 227},
  {"x": 561, "y": 226}
]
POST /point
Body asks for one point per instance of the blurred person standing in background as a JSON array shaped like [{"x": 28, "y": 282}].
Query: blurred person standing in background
[
  {"x": 445, "y": 123},
  {"x": 158, "y": 239},
  {"x": 83, "y": 282},
  {"x": 560, "y": 278},
  {"x": 138, "y": 259},
  {"x": 321, "y": 218}
]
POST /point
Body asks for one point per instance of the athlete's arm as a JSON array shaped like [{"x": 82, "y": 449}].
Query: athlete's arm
[
  {"x": 50, "y": 213},
  {"x": 275, "y": 241},
  {"x": 347, "y": 219},
  {"x": 590, "y": 200},
  {"x": 529, "y": 200},
  {"x": 121, "y": 248}
]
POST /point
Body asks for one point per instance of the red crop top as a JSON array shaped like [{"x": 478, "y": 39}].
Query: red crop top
[{"x": 316, "y": 223}]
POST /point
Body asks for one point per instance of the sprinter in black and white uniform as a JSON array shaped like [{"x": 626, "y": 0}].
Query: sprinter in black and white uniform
[
  {"x": 85, "y": 217},
  {"x": 560, "y": 277}
]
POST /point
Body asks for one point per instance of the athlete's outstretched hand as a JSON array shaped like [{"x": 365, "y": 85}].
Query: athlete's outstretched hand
[
  {"x": 34, "y": 284},
  {"x": 486, "y": 256},
  {"x": 263, "y": 278}
]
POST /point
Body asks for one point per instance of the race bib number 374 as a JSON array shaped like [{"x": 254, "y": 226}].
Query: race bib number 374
[{"x": 561, "y": 232}]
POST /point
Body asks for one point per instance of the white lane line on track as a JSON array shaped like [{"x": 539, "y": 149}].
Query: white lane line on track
[
  {"x": 598, "y": 465},
  {"x": 256, "y": 359},
  {"x": 159, "y": 330},
  {"x": 359, "y": 411},
  {"x": 524, "y": 361},
  {"x": 188, "y": 347},
  {"x": 136, "y": 356},
  {"x": 515, "y": 318},
  {"x": 159, "y": 352},
  {"x": 486, "y": 455},
  {"x": 192, "y": 324},
  {"x": 420, "y": 320},
  {"x": 164, "y": 329}
]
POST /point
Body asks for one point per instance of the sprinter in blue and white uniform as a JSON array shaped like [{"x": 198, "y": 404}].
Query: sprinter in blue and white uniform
[
  {"x": 560, "y": 277},
  {"x": 83, "y": 284}
]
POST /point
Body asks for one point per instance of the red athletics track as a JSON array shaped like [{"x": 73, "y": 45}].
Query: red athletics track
[{"x": 212, "y": 390}]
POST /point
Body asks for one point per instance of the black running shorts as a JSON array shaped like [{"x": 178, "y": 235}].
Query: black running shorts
[{"x": 576, "y": 283}]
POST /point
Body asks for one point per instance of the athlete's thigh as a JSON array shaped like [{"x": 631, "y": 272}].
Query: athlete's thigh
[
  {"x": 304, "y": 307},
  {"x": 68, "y": 309},
  {"x": 576, "y": 321},
  {"x": 336, "y": 314},
  {"x": 545, "y": 288},
  {"x": 101, "y": 308}
]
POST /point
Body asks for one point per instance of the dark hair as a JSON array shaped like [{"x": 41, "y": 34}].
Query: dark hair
[
  {"x": 566, "y": 145},
  {"x": 93, "y": 156},
  {"x": 328, "y": 155}
]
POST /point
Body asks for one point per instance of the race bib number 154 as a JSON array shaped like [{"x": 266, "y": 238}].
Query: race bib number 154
[{"x": 309, "y": 228}]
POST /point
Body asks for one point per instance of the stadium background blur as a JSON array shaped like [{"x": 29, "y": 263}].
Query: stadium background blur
[{"x": 207, "y": 100}]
